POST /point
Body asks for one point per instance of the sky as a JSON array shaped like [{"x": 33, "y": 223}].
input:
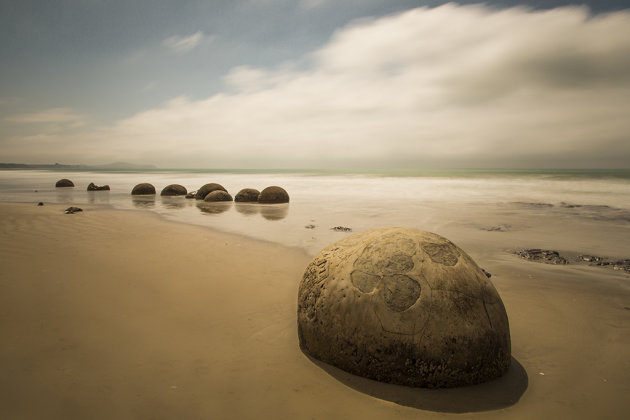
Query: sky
[{"x": 316, "y": 83}]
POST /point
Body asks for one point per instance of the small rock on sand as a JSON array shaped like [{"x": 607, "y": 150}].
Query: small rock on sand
[
  {"x": 341, "y": 229},
  {"x": 542, "y": 255}
]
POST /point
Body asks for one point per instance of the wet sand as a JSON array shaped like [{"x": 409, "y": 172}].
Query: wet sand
[{"x": 119, "y": 314}]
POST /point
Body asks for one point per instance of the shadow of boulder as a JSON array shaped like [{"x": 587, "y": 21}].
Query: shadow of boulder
[{"x": 493, "y": 395}]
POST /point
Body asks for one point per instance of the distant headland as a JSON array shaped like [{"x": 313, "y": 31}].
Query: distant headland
[{"x": 108, "y": 166}]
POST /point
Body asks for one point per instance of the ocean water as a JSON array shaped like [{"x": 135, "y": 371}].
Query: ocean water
[{"x": 577, "y": 211}]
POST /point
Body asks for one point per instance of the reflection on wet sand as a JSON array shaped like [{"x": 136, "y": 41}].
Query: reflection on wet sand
[
  {"x": 64, "y": 195},
  {"x": 143, "y": 201},
  {"x": 247, "y": 209},
  {"x": 271, "y": 212},
  {"x": 98, "y": 197},
  {"x": 173, "y": 202},
  {"x": 214, "y": 207},
  {"x": 274, "y": 211}
]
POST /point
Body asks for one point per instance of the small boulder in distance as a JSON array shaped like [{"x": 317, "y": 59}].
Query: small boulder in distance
[
  {"x": 94, "y": 187},
  {"x": 218, "y": 195},
  {"x": 143, "y": 189},
  {"x": 174, "y": 189},
  {"x": 247, "y": 195},
  {"x": 62, "y": 183},
  {"x": 273, "y": 195}
]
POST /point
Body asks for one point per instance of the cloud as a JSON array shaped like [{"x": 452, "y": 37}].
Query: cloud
[
  {"x": 47, "y": 116},
  {"x": 312, "y": 4},
  {"x": 458, "y": 86},
  {"x": 183, "y": 44}
]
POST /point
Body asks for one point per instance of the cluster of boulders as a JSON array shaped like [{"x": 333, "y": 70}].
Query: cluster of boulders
[
  {"x": 209, "y": 192},
  {"x": 213, "y": 192}
]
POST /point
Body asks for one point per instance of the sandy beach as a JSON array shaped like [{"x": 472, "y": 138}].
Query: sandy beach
[{"x": 111, "y": 314}]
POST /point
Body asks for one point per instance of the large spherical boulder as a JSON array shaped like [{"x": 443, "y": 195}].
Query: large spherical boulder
[
  {"x": 271, "y": 195},
  {"x": 174, "y": 189},
  {"x": 247, "y": 195},
  {"x": 62, "y": 183},
  {"x": 218, "y": 195},
  {"x": 403, "y": 306},
  {"x": 143, "y": 189},
  {"x": 207, "y": 189}
]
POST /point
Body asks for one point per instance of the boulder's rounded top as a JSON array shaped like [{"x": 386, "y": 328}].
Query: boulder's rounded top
[
  {"x": 62, "y": 183},
  {"x": 207, "y": 189},
  {"x": 273, "y": 195},
  {"x": 247, "y": 195},
  {"x": 174, "y": 189},
  {"x": 143, "y": 189},
  {"x": 218, "y": 195},
  {"x": 404, "y": 306}
]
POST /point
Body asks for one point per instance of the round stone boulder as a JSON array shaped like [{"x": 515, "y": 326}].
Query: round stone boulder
[
  {"x": 272, "y": 195},
  {"x": 62, "y": 183},
  {"x": 143, "y": 189},
  {"x": 247, "y": 195},
  {"x": 218, "y": 195},
  {"x": 93, "y": 187},
  {"x": 173, "y": 190},
  {"x": 207, "y": 189},
  {"x": 403, "y": 306}
]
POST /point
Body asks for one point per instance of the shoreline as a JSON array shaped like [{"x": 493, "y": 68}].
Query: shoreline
[
  {"x": 489, "y": 213},
  {"x": 117, "y": 314}
]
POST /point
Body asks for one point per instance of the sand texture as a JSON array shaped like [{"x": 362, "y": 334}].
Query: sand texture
[{"x": 121, "y": 315}]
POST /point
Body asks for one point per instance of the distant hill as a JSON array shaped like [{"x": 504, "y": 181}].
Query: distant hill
[
  {"x": 124, "y": 165},
  {"x": 111, "y": 166}
]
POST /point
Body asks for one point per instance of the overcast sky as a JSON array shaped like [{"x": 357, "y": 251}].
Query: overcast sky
[{"x": 316, "y": 83}]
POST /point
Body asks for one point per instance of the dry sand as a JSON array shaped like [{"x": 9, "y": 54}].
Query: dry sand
[{"x": 121, "y": 315}]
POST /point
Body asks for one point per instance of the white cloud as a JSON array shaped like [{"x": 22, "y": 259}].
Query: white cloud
[
  {"x": 312, "y": 4},
  {"x": 449, "y": 86},
  {"x": 184, "y": 44}
]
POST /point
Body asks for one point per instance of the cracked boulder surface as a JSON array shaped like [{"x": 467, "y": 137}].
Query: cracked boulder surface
[{"x": 403, "y": 306}]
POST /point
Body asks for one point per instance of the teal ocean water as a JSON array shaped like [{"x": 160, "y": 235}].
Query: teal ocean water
[{"x": 587, "y": 210}]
